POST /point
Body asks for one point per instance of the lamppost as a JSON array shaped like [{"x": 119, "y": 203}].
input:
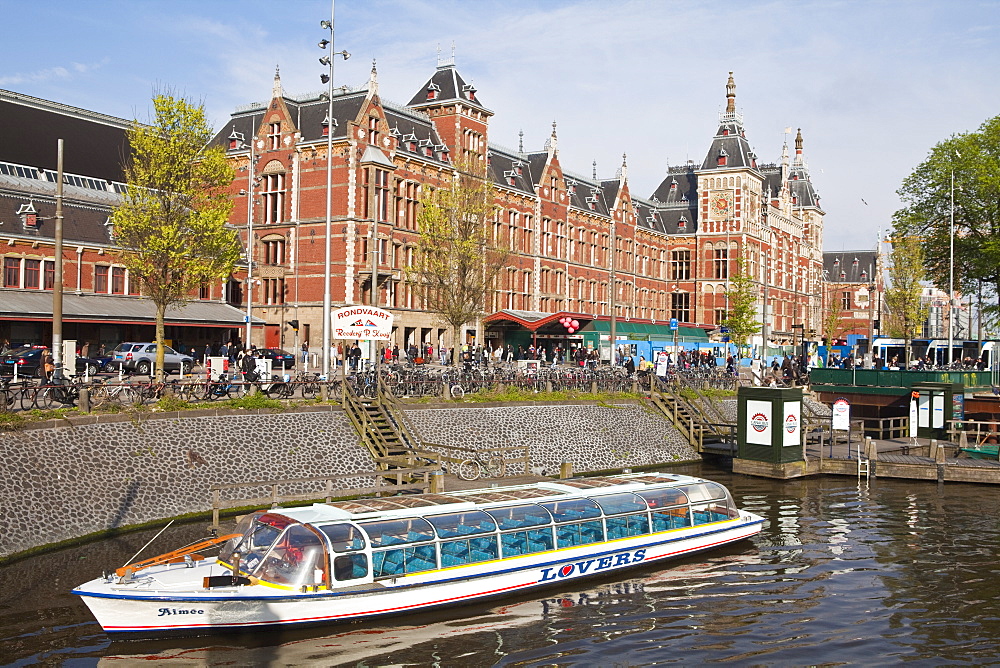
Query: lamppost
[
  {"x": 251, "y": 184},
  {"x": 327, "y": 78},
  {"x": 951, "y": 268}
]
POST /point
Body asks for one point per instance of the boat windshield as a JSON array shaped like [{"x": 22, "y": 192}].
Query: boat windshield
[
  {"x": 519, "y": 517},
  {"x": 615, "y": 504},
  {"x": 257, "y": 534},
  {"x": 297, "y": 558}
]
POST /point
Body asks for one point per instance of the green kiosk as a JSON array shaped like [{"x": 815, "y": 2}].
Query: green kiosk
[
  {"x": 769, "y": 432},
  {"x": 936, "y": 404}
]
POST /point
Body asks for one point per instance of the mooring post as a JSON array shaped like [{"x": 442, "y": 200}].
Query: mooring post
[{"x": 565, "y": 470}]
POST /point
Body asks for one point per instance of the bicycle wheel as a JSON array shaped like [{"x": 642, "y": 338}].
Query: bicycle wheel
[
  {"x": 47, "y": 398},
  {"x": 496, "y": 467},
  {"x": 310, "y": 390},
  {"x": 238, "y": 390},
  {"x": 28, "y": 397},
  {"x": 470, "y": 469},
  {"x": 216, "y": 391},
  {"x": 285, "y": 390},
  {"x": 457, "y": 392}
]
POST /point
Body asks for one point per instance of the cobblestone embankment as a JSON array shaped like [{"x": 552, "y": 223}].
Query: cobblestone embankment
[{"x": 69, "y": 478}]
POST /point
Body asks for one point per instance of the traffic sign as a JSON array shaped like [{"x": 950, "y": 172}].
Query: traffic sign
[{"x": 673, "y": 323}]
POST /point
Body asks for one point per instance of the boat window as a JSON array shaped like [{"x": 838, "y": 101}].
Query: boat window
[
  {"x": 350, "y": 566},
  {"x": 624, "y": 526},
  {"x": 461, "y": 524},
  {"x": 572, "y": 510},
  {"x": 468, "y": 551},
  {"x": 256, "y": 545},
  {"x": 526, "y": 542},
  {"x": 296, "y": 559},
  {"x": 243, "y": 528},
  {"x": 344, "y": 537},
  {"x": 663, "y": 498},
  {"x": 582, "y": 533},
  {"x": 519, "y": 517},
  {"x": 713, "y": 511},
  {"x": 673, "y": 518},
  {"x": 396, "y": 532},
  {"x": 705, "y": 491},
  {"x": 388, "y": 563},
  {"x": 614, "y": 504}
]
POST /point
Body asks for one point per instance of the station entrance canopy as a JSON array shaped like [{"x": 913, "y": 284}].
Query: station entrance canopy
[{"x": 106, "y": 309}]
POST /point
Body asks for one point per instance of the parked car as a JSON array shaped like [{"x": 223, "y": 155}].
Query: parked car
[
  {"x": 28, "y": 360},
  {"x": 280, "y": 359},
  {"x": 140, "y": 357}
]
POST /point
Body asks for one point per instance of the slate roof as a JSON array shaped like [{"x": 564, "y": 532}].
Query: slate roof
[
  {"x": 450, "y": 86},
  {"x": 801, "y": 187},
  {"x": 504, "y": 166},
  {"x": 730, "y": 140},
  {"x": 93, "y": 144},
  {"x": 848, "y": 266},
  {"x": 309, "y": 111},
  {"x": 85, "y": 212},
  {"x": 586, "y": 194}
]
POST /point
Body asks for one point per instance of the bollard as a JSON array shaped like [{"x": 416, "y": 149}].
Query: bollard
[
  {"x": 934, "y": 449},
  {"x": 85, "y": 399},
  {"x": 436, "y": 481},
  {"x": 548, "y": 386},
  {"x": 635, "y": 386},
  {"x": 565, "y": 470},
  {"x": 324, "y": 391}
]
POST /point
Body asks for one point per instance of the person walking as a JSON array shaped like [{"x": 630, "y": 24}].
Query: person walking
[{"x": 305, "y": 351}]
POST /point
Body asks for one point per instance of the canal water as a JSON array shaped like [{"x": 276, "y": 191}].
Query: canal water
[{"x": 843, "y": 573}]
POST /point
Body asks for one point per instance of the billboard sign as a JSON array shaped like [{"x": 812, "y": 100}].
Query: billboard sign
[{"x": 361, "y": 323}]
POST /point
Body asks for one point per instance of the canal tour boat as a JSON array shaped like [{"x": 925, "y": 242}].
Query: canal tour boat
[{"x": 369, "y": 558}]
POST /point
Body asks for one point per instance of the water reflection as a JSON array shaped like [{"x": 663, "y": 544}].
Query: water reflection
[{"x": 842, "y": 573}]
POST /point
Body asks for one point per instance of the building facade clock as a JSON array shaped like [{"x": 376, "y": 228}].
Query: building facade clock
[{"x": 720, "y": 203}]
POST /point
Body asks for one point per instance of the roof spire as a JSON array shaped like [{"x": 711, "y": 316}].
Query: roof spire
[
  {"x": 624, "y": 167},
  {"x": 373, "y": 80},
  {"x": 595, "y": 170},
  {"x": 731, "y": 95},
  {"x": 276, "y": 88},
  {"x": 553, "y": 141},
  {"x": 798, "y": 146},
  {"x": 520, "y": 142}
]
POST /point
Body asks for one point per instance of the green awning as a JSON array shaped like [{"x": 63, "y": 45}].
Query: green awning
[{"x": 645, "y": 329}]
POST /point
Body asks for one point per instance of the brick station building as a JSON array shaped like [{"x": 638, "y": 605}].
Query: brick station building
[{"x": 672, "y": 252}]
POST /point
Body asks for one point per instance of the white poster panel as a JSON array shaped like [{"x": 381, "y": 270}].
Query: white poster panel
[
  {"x": 759, "y": 422},
  {"x": 361, "y": 323},
  {"x": 841, "y": 418},
  {"x": 792, "y": 423},
  {"x": 913, "y": 418},
  {"x": 924, "y": 411},
  {"x": 937, "y": 414}
]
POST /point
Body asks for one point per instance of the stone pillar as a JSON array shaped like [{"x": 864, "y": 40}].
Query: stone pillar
[{"x": 565, "y": 470}]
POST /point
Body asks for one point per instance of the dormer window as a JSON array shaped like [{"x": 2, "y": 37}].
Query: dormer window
[
  {"x": 864, "y": 275},
  {"x": 725, "y": 132},
  {"x": 682, "y": 223},
  {"x": 29, "y": 216},
  {"x": 836, "y": 262},
  {"x": 673, "y": 184},
  {"x": 470, "y": 91},
  {"x": 327, "y": 124},
  {"x": 518, "y": 169},
  {"x": 235, "y": 140},
  {"x": 723, "y": 158},
  {"x": 855, "y": 263},
  {"x": 843, "y": 275},
  {"x": 433, "y": 91}
]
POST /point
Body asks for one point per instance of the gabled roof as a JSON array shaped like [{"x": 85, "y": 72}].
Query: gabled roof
[
  {"x": 850, "y": 266},
  {"x": 586, "y": 194},
  {"x": 448, "y": 86},
  {"x": 85, "y": 212}
]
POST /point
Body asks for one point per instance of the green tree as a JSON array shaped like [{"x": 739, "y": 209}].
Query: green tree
[
  {"x": 171, "y": 223},
  {"x": 973, "y": 159},
  {"x": 742, "y": 318},
  {"x": 906, "y": 314},
  {"x": 458, "y": 258},
  {"x": 832, "y": 326}
]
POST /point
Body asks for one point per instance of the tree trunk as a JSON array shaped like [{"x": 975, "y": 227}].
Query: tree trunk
[{"x": 160, "y": 316}]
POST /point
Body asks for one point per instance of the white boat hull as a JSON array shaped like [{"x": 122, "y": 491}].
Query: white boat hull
[{"x": 172, "y": 600}]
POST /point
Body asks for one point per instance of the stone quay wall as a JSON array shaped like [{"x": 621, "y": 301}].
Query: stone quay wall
[{"x": 68, "y": 478}]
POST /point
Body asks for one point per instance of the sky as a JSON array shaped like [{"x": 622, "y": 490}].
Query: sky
[{"x": 873, "y": 85}]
